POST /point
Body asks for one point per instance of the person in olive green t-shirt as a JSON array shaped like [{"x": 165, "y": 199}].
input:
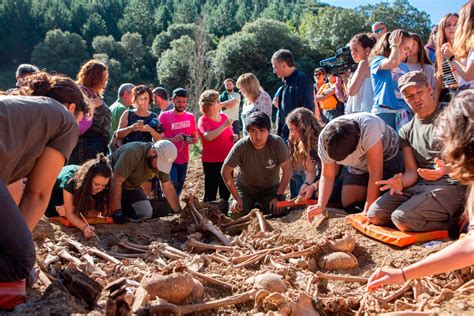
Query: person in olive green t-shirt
[
  {"x": 135, "y": 163},
  {"x": 423, "y": 197},
  {"x": 259, "y": 156}
]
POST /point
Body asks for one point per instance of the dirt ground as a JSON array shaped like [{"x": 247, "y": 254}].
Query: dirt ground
[{"x": 328, "y": 297}]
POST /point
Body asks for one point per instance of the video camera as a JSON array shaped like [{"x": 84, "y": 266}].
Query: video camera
[{"x": 340, "y": 63}]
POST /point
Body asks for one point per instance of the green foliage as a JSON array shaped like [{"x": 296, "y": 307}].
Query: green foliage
[
  {"x": 331, "y": 28},
  {"x": 253, "y": 49},
  {"x": 138, "y": 17},
  {"x": 173, "y": 66},
  {"x": 94, "y": 26},
  {"x": 219, "y": 17},
  {"x": 60, "y": 51},
  {"x": 163, "y": 40},
  {"x": 185, "y": 11},
  {"x": 400, "y": 14},
  {"x": 162, "y": 19}
]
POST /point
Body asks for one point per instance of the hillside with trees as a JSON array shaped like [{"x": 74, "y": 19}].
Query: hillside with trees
[{"x": 190, "y": 43}]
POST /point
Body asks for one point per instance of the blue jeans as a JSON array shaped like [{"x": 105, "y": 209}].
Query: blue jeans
[
  {"x": 178, "y": 175},
  {"x": 296, "y": 181}
]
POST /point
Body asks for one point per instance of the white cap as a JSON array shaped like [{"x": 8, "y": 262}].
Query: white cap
[{"x": 166, "y": 154}]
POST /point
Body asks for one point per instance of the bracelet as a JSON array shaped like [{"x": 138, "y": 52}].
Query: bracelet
[
  {"x": 451, "y": 59},
  {"x": 403, "y": 274},
  {"x": 393, "y": 45},
  {"x": 307, "y": 183}
]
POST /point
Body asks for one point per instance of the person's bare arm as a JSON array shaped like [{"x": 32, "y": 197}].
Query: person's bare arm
[
  {"x": 116, "y": 192},
  {"x": 226, "y": 173},
  {"x": 465, "y": 71},
  {"x": 394, "y": 59},
  {"x": 375, "y": 167},
  {"x": 229, "y": 104},
  {"x": 123, "y": 130},
  {"x": 328, "y": 174},
  {"x": 39, "y": 185},
  {"x": 211, "y": 135},
  {"x": 170, "y": 194},
  {"x": 71, "y": 216},
  {"x": 355, "y": 82}
]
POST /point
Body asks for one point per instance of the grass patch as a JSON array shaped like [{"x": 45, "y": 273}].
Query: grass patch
[{"x": 195, "y": 151}]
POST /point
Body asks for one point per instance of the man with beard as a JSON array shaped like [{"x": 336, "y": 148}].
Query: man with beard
[
  {"x": 230, "y": 103},
  {"x": 423, "y": 197},
  {"x": 179, "y": 128},
  {"x": 135, "y": 163}
]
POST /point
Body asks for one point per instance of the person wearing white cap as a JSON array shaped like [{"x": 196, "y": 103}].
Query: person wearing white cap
[{"x": 135, "y": 163}]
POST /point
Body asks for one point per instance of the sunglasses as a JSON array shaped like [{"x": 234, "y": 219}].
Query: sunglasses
[
  {"x": 318, "y": 74},
  {"x": 379, "y": 30}
]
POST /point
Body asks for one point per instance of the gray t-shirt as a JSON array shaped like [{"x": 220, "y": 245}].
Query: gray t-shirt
[
  {"x": 259, "y": 168},
  {"x": 27, "y": 126},
  {"x": 372, "y": 129},
  {"x": 130, "y": 161},
  {"x": 419, "y": 134}
]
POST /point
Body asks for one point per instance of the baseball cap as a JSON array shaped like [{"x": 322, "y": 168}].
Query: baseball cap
[
  {"x": 412, "y": 78},
  {"x": 166, "y": 154}
]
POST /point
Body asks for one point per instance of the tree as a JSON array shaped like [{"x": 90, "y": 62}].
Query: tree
[
  {"x": 331, "y": 28},
  {"x": 185, "y": 11},
  {"x": 251, "y": 50},
  {"x": 162, "y": 19},
  {"x": 220, "y": 17},
  {"x": 163, "y": 40},
  {"x": 138, "y": 17},
  {"x": 17, "y": 38},
  {"x": 52, "y": 14},
  {"x": 173, "y": 67},
  {"x": 94, "y": 26},
  {"x": 60, "y": 51},
  {"x": 398, "y": 15}
]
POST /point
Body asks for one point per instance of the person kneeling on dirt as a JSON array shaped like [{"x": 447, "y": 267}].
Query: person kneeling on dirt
[
  {"x": 135, "y": 163},
  {"x": 421, "y": 198},
  {"x": 367, "y": 148},
  {"x": 260, "y": 156},
  {"x": 82, "y": 191}
]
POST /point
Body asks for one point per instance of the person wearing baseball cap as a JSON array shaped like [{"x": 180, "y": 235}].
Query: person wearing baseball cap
[
  {"x": 424, "y": 197},
  {"x": 135, "y": 163}
]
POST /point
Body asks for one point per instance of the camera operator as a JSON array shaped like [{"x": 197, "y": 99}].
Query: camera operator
[{"x": 359, "y": 85}]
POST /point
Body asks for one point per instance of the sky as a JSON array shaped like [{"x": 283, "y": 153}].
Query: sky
[{"x": 435, "y": 8}]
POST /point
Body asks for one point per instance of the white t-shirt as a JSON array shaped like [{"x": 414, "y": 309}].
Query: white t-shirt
[
  {"x": 363, "y": 101},
  {"x": 470, "y": 58},
  {"x": 233, "y": 112},
  {"x": 372, "y": 129}
]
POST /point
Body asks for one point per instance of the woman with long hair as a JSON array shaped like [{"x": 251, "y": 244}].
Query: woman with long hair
[
  {"x": 217, "y": 137},
  {"x": 418, "y": 60},
  {"x": 303, "y": 146},
  {"x": 430, "y": 47},
  {"x": 94, "y": 129},
  {"x": 456, "y": 128},
  {"x": 386, "y": 66},
  {"x": 359, "y": 85},
  {"x": 256, "y": 99},
  {"x": 39, "y": 131},
  {"x": 82, "y": 191},
  {"x": 461, "y": 54},
  {"x": 445, "y": 77},
  {"x": 139, "y": 124}
]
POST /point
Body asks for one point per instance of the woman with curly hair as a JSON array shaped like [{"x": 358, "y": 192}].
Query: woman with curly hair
[
  {"x": 94, "y": 128},
  {"x": 82, "y": 190},
  {"x": 456, "y": 128},
  {"x": 303, "y": 145},
  {"x": 139, "y": 124},
  {"x": 38, "y": 133}
]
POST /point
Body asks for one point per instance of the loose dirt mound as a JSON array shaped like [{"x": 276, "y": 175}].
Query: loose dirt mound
[{"x": 288, "y": 247}]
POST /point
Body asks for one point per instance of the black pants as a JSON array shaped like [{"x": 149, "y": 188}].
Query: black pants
[
  {"x": 17, "y": 250},
  {"x": 213, "y": 181}
]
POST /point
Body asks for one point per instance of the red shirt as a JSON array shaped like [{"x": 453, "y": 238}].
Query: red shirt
[
  {"x": 217, "y": 149},
  {"x": 173, "y": 125}
]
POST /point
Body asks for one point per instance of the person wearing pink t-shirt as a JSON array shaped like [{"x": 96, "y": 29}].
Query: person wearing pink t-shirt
[
  {"x": 179, "y": 128},
  {"x": 217, "y": 136}
]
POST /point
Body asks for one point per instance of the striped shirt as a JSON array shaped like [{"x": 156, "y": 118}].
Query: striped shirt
[{"x": 448, "y": 75}]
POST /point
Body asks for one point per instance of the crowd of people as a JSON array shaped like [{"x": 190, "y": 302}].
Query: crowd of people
[{"x": 343, "y": 139}]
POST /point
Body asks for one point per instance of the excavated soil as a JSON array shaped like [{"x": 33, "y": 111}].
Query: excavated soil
[{"x": 329, "y": 297}]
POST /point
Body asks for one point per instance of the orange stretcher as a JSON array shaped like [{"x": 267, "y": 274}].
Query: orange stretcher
[
  {"x": 391, "y": 235},
  {"x": 90, "y": 220},
  {"x": 293, "y": 203}
]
